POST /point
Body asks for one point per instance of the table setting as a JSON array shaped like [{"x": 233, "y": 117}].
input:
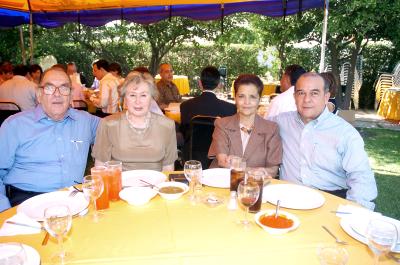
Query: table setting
[{"x": 198, "y": 225}]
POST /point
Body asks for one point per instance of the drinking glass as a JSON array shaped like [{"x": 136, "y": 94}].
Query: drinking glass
[
  {"x": 58, "y": 221},
  {"x": 247, "y": 193},
  {"x": 237, "y": 166},
  {"x": 93, "y": 187},
  {"x": 193, "y": 173},
  {"x": 103, "y": 202},
  {"x": 12, "y": 254},
  {"x": 382, "y": 237},
  {"x": 114, "y": 182},
  {"x": 256, "y": 175}
]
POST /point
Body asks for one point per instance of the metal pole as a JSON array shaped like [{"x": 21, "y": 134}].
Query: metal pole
[
  {"x": 324, "y": 32},
  {"x": 21, "y": 39},
  {"x": 31, "y": 37}
]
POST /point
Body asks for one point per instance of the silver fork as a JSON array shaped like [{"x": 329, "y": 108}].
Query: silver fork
[{"x": 335, "y": 237}]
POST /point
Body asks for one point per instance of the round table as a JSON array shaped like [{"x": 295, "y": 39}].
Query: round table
[{"x": 177, "y": 232}]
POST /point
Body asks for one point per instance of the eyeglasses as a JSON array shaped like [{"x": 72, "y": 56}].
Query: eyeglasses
[{"x": 51, "y": 89}]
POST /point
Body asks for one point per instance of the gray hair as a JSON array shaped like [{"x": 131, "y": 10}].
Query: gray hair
[
  {"x": 135, "y": 78},
  {"x": 315, "y": 75}
]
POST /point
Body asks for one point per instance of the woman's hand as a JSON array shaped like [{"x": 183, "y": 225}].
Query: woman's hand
[{"x": 223, "y": 160}]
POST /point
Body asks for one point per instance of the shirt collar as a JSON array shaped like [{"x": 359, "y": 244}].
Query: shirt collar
[
  {"x": 40, "y": 114},
  {"x": 209, "y": 91}
]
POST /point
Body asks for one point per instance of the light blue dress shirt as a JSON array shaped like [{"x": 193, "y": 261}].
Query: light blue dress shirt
[
  {"x": 326, "y": 153},
  {"x": 39, "y": 154}
]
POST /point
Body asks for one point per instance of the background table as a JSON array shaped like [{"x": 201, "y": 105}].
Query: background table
[
  {"x": 179, "y": 233},
  {"x": 181, "y": 82},
  {"x": 389, "y": 107}
]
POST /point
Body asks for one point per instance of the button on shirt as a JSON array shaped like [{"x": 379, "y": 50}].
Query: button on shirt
[
  {"x": 43, "y": 155},
  {"x": 326, "y": 153}
]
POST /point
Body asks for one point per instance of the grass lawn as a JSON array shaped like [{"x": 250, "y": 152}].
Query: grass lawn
[{"x": 383, "y": 148}]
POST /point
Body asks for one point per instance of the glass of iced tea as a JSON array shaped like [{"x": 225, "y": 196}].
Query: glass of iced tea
[
  {"x": 256, "y": 175},
  {"x": 237, "y": 166},
  {"x": 103, "y": 201},
  {"x": 115, "y": 181}
]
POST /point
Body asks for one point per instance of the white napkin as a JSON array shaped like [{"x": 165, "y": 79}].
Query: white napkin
[
  {"x": 351, "y": 211},
  {"x": 12, "y": 229}
]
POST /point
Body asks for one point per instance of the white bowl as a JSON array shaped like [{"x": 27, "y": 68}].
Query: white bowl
[
  {"x": 172, "y": 196},
  {"x": 137, "y": 195},
  {"x": 277, "y": 231}
]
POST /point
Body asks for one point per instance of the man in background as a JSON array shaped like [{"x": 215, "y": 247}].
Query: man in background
[
  {"x": 168, "y": 91},
  {"x": 285, "y": 101},
  {"x": 107, "y": 98},
  {"x": 19, "y": 89}
]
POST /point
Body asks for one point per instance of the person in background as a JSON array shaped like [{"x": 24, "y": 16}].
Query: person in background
[
  {"x": 167, "y": 90},
  {"x": 138, "y": 137},
  {"x": 19, "y": 89},
  {"x": 73, "y": 73},
  {"x": 285, "y": 101},
  {"x": 107, "y": 98},
  {"x": 45, "y": 148},
  {"x": 246, "y": 134},
  {"x": 116, "y": 71},
  {"x": 206, "y": 104},
  {"x": 320, "y": 149},
  {"x": 35, "y": 73},
  {"x": 333, "y": 86},
  {"x": 6, "y": 72}
]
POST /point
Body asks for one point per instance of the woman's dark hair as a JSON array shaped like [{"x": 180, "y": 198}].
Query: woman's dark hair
[{"x": 249, "y": 79}]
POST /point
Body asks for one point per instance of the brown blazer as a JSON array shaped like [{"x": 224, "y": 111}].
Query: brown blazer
[{"x": 264, "y": 148}]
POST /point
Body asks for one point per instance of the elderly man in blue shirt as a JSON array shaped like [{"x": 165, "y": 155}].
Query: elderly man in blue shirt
[
  {"x": 45, "y": 148},
  {"x": 320, "y": 149}
]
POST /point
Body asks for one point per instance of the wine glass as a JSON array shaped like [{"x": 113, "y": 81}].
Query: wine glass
[
  {"x": 57, "y": 222},
  {"x": 248, "y": 193},
  {"x": 93, "y": 187},
  {"x": 193, "y": 172},
  {"x": 382, "y": 237}
]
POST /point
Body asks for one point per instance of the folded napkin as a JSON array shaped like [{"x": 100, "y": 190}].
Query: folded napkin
[
  {"x": 351, "y": 210},
  {"x": 12, "y": 229}
]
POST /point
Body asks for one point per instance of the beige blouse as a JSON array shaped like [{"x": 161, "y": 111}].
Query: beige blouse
[{"x": 155, "y": 148}]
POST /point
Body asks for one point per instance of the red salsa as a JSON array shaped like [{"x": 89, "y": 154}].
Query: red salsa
[{"x": 281, "y": 221}]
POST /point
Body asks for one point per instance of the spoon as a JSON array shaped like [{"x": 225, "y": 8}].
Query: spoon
[
  {"x": 151, "y": 185},
  {"x": 278, "y": 202}
]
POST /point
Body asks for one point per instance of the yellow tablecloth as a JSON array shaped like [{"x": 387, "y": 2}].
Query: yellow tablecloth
[
  {"x": 181, "y": 81},
  {"x": 269, "y": 88},
  {"x": 179, "y": 233},
  {"x": 390, "y": 105}
]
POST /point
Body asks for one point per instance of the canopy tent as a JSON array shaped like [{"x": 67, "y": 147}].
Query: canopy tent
[{"x": 54, "y": 13}]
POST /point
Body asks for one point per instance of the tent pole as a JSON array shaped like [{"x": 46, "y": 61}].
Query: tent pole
[
  {"x": 30, "y": 32},
  {"x": 31, "y": 38},
  {"x": 21, "y": 38},
  {"x": 324, "y": 32}
]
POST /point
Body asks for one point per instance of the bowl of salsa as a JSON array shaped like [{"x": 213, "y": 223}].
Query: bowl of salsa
[
  {"x": 283, "y": 223},
  {"x": 172, "y": 190}
]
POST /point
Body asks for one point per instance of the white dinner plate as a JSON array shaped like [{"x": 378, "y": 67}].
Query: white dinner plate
[
  {"x": 217, "y": 177},
  {"x": 34, "y": 207},
  {"x": 293, "y": 196},
  {"x": 133, "y": 177},
  {"x": 347, "y": 223},
  {"x": 32, "y": 256}
]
